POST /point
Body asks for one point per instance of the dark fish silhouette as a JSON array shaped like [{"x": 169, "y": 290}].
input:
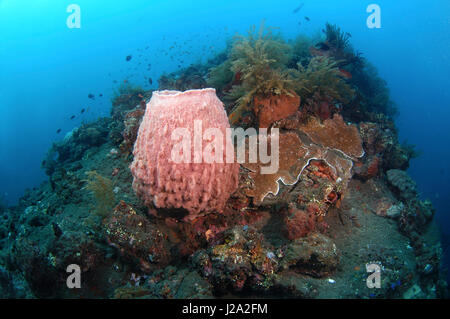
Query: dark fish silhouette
[
  {"x": 323, "y": 46},
  {"x": 72, "y": 117},
  {"x": 58, "y": 131},
  {"x": 91, "y": 96},
  {"x": 307, "y": 19},
  {"x": 100, "y": 95},
  {"x": 298, "y": 8},
  {"x": 128, "y": 58},
  {"x": 82, "y": 111},
  {"x": 150, "y": 81}
]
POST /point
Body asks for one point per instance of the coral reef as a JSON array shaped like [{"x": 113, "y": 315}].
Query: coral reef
[{"x": 340, "y": 200}]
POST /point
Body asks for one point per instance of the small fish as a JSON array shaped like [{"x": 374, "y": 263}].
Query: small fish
[
  {"x": 72, "y": 117},
  {"x": 128, "y": 58},
  {"x": 298, "y": 8},
  {"x": 100, "y": 95},
  {"x": 323, "y": 46},
  {"x": 82, "y": 111},
  {"x": 307, "y": 19},
  {"x": 345, "y": 74},
  {"x": 58, "y": 131},
  {"x": 150, "y": 81},
  {"x": 91, "y": 96}
]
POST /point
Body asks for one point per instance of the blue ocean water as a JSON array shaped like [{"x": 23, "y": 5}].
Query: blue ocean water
[{"x": 47, "y": 70}]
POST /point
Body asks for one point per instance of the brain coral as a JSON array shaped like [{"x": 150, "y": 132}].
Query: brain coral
[{"x": 199, "y": 187}]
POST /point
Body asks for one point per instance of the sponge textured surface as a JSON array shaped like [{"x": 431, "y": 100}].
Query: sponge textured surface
[{"x": 199, "y": 187}]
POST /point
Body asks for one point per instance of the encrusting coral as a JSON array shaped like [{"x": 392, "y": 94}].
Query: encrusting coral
[
  {"x": 294, "y": 156},
  {"x": 335, "y": 134}
]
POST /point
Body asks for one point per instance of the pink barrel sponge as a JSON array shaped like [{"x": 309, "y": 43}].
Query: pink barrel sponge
[{"x": 187, "y": 181}]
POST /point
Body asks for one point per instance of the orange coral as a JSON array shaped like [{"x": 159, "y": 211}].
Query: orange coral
[
  {"x": 335, "y": 134},
  {"x": 275, "y": 107}
]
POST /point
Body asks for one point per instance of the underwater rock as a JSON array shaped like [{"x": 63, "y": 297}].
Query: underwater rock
[
  {"x": 241, "y": 259},
  {"x": 188, "y": 237},
  {"x": 381, "y": 140},
  {"x": 136, "y": 238},
  {"x": 368, "y": 168},
  {"x": 76, "y": 143},
  {"x": 167, "y": 283},
  {"x": 415, "y": 218},
  {"x": 315, "y": 255},
  {"x": 299, "y": 223},
  {"x": 375, "y": 141},
  {"x": 129, "y": 98},
  {"x": 131, "y": 123},
  {"x": 397, "y": 157},
  {"x": 176, "y": 283},
  {"x": 293, "y": 285},
  {"x": 395, "y": 211},
  {"x": 403, "y": 185},
  {"x": 44, "y": 247},
  {"x": 191, "y": 183}
]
